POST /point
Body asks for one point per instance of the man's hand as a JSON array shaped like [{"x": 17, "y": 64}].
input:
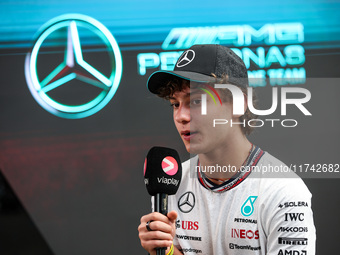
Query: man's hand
[{"x": 162, "y": 231}]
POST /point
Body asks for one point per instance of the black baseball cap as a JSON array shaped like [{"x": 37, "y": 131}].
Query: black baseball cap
[{"x": 199, "y": 63}]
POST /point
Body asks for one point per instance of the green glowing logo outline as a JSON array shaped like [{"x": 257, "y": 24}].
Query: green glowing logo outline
[{"x": 73, "y": 54}]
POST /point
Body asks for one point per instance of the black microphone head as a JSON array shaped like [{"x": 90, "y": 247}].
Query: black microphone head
[{"x": 162, "y": 171}]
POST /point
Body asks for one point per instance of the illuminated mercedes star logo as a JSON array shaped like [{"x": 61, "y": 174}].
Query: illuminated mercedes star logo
[
  {"x": 73, "y": 88},
  {"x": 186, "y": 58},
  {"x": 186, "y": 202}
]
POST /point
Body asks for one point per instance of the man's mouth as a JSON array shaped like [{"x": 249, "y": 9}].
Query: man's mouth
[{"x": 187, "y": 134}]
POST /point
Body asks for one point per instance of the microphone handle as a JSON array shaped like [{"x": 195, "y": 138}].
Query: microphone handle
[
  {"x": 161, "y": 203},
  {"x": 161, "y": 206}
]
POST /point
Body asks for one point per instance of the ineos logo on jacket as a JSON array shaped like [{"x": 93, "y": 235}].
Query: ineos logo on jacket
[{"x": 244, "y": 234}]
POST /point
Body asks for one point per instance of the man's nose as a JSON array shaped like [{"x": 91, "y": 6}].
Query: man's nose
[{"x": 182, "y": 115}]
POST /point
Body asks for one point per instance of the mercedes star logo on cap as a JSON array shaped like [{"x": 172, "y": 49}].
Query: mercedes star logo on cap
[{"x": 186, "y": 58}]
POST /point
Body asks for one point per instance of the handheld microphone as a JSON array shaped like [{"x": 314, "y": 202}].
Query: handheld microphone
[{"x": 162, "y": 177}]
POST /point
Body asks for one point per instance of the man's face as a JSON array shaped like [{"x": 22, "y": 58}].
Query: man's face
[{"x": 197, "y": 130}]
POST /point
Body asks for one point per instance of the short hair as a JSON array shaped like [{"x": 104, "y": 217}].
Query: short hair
[{"x": 178, "y": 84}]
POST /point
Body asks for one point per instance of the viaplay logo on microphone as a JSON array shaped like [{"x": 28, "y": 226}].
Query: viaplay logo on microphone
[
  {"x": 169, "y": 165},
  {"x": 162, "y": 171}
]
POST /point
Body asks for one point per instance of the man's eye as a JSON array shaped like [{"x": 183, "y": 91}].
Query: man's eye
[{"x": 174, "y": 105}]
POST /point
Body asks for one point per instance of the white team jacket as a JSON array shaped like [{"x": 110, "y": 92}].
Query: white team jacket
[{"x": 259, "y": 214}]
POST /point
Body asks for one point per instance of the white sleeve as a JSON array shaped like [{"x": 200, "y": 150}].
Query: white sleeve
[{"x": 288, "y": 218}]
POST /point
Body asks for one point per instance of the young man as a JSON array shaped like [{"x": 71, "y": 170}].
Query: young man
[{"x": 225, "y": 204}]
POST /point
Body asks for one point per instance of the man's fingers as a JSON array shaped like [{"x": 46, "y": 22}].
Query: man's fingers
[
  {"x": 172, "y": 216},
  {"x": 156, "y": 235},
  {"x": 159, "y": 226},
  {"x": 155, "y": 216},
  {"x": 162, "y": 230}
]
